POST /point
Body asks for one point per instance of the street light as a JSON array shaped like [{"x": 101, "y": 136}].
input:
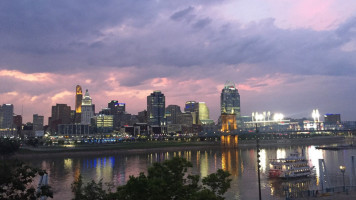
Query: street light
[{"x": 343, "y": 169}]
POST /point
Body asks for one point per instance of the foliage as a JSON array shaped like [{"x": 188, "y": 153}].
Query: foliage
[
  {"x": 33, "y": 142},
  {"x": 8, "y": 146},
  {"x": 167, "y": 180},
  {"x": 16, "y": 179}
]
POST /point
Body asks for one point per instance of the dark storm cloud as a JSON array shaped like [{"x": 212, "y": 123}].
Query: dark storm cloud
[
  {"x": 61, "y": 36},
  {"x": 183, "y": 14}
]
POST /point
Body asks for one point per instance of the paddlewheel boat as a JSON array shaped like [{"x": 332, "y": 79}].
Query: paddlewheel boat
[{"x": 291, "y": 167}]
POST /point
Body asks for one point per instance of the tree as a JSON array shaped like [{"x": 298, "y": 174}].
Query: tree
[
  {"x": 16, "y": 177},
  {"x": 8, "y": 147},
  {"x": 167, "y": 180}
]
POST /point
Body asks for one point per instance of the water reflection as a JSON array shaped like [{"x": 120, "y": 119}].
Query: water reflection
[{"x": 241, "y": 163}]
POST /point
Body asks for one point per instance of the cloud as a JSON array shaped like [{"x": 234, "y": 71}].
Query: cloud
[
  {"x": 183, "y": 14},
  {"x": 125, "y": 49}
]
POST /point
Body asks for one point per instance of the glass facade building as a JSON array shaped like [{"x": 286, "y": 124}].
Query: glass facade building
[
  {"x": 156, "y": 108},
  {"x": 173, "y": 113},
  {"x": 230, "y": 101},
  {"x": 6, "y": 116}
]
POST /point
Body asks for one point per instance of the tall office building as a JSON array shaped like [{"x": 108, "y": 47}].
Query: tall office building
[
  {"x": 17, "y": 121},
  {"x": 172, "y": 114},
  {"x": 116, "y": 107},
  {"x": 37, "y": 122},
  {"x": 6, "y": 116},
  {"x": 118, "y": 110},
  {"x": 78, "y": 99},
  {"x": 156, "y": 108},
  {"x": 78, "y": 103},
  {"x": 192, "y": 108},
  {"x": 230, "y": 101},
  {"x": 198, "y": 110},
  {"x": 88, "y": 109},
  {"x": 61, "y": 114},
  {"x": 203, "y": 111}
]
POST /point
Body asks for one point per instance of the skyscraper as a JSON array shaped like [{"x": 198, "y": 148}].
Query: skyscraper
[
  {"x": 37, "y": 122},
  {"x": 230, "y": 103},
  {"x": 60, "y": 115},
  {"x": 78, "y": 99},
  {"x": 78, "y": 103},
  {"x": 198, "y": 110},
  {"x": 156, "y": 103},
  {"x": 192, "y": 108},
  {"x": 6, "y": 116},
  {"x": 172, "y": 114},
  {"x": 203, "y": 111},
  {"x": 88, "y": 109}
]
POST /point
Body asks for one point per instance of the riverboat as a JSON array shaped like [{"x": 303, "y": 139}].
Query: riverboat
[{"x": 291, "y": 167}]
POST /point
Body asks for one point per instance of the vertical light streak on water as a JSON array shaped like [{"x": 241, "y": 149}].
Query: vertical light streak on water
[
  {"x": 263, "y": 160},
  {"x": 314, "y": 156}
]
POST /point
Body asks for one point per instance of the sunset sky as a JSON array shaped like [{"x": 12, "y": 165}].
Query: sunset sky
[{"x": 284, "y": 55}]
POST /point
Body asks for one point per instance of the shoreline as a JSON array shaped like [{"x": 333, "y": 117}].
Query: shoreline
[{"x": 146, "y": 147}]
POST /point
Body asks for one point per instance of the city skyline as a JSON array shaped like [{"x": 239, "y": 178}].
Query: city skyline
[{"x": 284, "y": 56}]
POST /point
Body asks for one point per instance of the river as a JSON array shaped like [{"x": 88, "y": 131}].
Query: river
[{"x": 240, "y": 162}]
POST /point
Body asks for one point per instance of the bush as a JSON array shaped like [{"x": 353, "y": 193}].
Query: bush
[{"x": 167, "y": 180}]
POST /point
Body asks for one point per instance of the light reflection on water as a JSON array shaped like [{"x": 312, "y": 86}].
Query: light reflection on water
[{"x": 241, "y": 163}]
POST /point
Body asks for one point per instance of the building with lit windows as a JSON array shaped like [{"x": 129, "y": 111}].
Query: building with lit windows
[
  {"x": 203, "y": 112},
  {"x": 88, "y": 109},
  {"x": 156, "y": 109},
  {"x": 230, "y": 105},
  {"x": 103, "y": 123}
]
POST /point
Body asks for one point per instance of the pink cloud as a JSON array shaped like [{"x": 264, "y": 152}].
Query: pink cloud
[
  {"x": 284, "y": 92},
  {"x": 34, "y": 77}
]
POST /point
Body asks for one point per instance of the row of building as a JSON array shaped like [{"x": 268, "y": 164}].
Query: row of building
[{"x": 156, "y": 119}]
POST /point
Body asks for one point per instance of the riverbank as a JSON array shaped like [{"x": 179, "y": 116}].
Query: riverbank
[{"x": 144, "y": 147}]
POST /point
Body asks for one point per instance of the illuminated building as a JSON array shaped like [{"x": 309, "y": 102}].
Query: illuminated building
[
  {"x": 61, "y": 114},
  {"x": 78, "y": 103},
  {"x": 230, "y": 101},
  {"x": 172, "y": 114},
  {"x": 6, "y": 116},
  {"x": 198, "y": 110},
  {"x": 37, "y": 122},
  {"x": 78, "y": 99},
  {"x": 104, "y": 123},
  {"x": 156, "y": 106},
  {"x": 203, "y": 111},
  {"x": 88, "y": 109},
  {"x": 228, "y": 122}
]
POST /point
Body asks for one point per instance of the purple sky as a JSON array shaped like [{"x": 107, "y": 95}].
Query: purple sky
[{"x": 284, "y": 55}]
